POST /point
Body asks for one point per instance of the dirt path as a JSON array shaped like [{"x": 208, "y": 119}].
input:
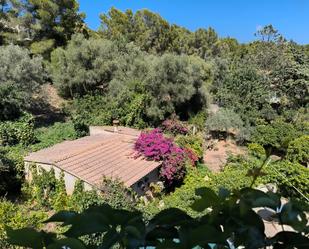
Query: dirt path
[{"x": 216, "y": 158}]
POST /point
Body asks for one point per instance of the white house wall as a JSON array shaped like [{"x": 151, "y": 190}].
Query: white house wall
[{"x": 69, "y": 179}]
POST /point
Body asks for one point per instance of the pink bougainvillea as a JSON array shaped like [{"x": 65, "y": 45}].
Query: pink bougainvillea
[
  {"x": 154, "y": 146},
  {"x": 173, "y": 167},
  {"x": 174, "y": 126},
  {"x": 191, "y": 155}
]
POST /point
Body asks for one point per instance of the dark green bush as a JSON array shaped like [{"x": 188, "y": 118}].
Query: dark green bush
[
  {"x": 192, "y": 142},
  {"x": 10, "y": 176},
  {"x": 226, "y": 213},
  {"x": 81, "y": 129},
  {"x": 298, "y": 150},
  {"x": 20, "y": 131},
  {"x": 92, "y": 110},
  {"x": 18, "y": 216},
  {"x": 20, "y": 77},
  {"x": 291, "y": 178},
  {"x": 276, "y": 135}
]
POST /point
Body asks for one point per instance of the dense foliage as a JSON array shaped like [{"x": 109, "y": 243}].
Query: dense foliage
[
  {"x": 298, "y": 150},
  {"x": 155, "y": 146},
  {"x": 278, "y": 134},
  {"x": 143, "y": 71},
  {"x": 230, "y": 222},
  {"x": 20, "y": 77},
  {"x": 224, "y": 121}
]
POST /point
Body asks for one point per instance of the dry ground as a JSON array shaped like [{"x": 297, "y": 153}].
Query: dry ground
[{"x": 216, "y": 157}]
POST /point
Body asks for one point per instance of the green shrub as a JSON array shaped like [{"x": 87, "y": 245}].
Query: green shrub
[
  {"x": 298, "y": 150},
  {"x": 41, "y": 189},
  {"x": 58, "y": 132},
  {"x": 60, "y": 198},
  {"x": 224, "y": 121},
  {"x": 288, "y": 176},
  {"x": 10, "y": 173},
  {"x": 183, "y": 196},
  {"x": 192, "y": 142},
  {"x": 291, "y": 178},
  {"x": 114, "y": 193},
  {"x": 19, "y": 131},
  {"x": 276, "y": 135},
  {"x": 20, "y": 77},
  {"x": 92, "y": 110},
  {"x": 233, "y": 177},
  {"x": 81, "y": 129},
  {"x": 198, "y": 120},
  {"x": 256, "y": 150},
  {"x": 18, "y": 216}
]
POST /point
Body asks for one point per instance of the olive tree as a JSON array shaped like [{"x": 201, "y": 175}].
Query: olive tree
[
  {"x": 20, "y": 78},
  {"x": 224, "y": 121},
  {"x": 177, "y": 84},
  {"x": 87, "y": 65}
]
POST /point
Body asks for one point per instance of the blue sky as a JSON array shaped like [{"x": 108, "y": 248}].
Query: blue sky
[{"x": 235, "y": 18}]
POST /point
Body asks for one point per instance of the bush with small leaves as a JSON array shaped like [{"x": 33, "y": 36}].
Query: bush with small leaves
[
  {"x": 256, "y": 150},
  {"x": 298, "y": 150},
  {"x": 81, "y": 129},
  {"x": 276, "y": 135},
  {"x": 224, "y": 121},
  {"x": 20, "y": 78},
  {"x": 174, "y": 228},
  {"x": 193, "y": 143},
  {"x": 58, "y": 132},
  {"x": 19, "y": 131},
  {"x": 18, "y": 216}
]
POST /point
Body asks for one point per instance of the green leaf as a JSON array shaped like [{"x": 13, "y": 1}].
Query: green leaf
[
  {"x": 110, "y": 239},
  {"x": 170, "y": 217},
  {"x": 287, "y": 239},
  {"x": 209, "y": 199},
  {"x": 86, "y": 224},
  {"x": 26, "y": 237},
  {"x": 67, "y": 243},
  {"x": 205, "y": 234},
  {"x": 291, "y": 215},
  {"x": 62, "y": 216},
  {"x": 224, "y": 193},
  {"x": 257, "y": 198}
]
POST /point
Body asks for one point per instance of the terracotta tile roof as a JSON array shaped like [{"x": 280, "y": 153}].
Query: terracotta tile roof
[
  {"x": 94, "y": 130},
  {"x": 92, "y": 157}
]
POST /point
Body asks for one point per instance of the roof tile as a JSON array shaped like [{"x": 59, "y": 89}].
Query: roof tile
[{"x": 92, "y": 157}]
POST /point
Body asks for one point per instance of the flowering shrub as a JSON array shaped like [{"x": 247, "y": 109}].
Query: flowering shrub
[
  {"x": 173, "y": 167},
  {"x": 174, "y": 126},
  {"x": 193, "y": 143},
  {"x": 191, "y": 155},
  {"x": 154, "y": 146}
]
